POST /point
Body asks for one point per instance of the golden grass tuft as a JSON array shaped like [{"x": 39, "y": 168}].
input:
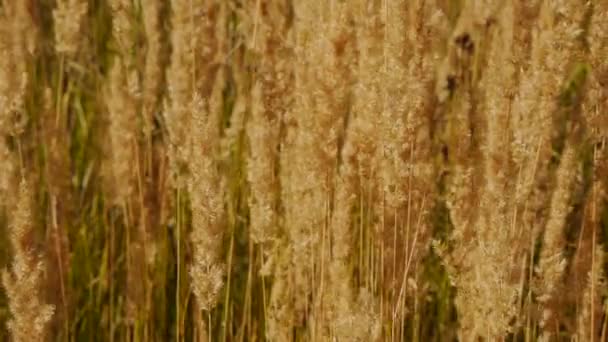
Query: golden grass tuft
[{"x": 23, "y": 283}]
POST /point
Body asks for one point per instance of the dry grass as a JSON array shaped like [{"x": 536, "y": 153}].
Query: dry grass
[{"x": 245, "y": 170}]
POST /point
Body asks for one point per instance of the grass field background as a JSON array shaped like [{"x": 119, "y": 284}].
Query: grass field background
[{"x": 340, "y": 170}]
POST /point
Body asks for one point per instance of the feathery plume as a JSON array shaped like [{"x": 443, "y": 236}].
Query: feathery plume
[
  {"x": 270, "y": 99},
  {"x": 591, "y": 307},
  {"x": 69, "y": 15},
  {"x": 17, "y": 42},
  {"x": 280, "y": 307},
  {"x": 123, "y": 95},
  {"x": 7, "y": 165},
  {"x": 202, "y": 27},
  {"x": 153, "y": 75},
  {"x": 323, "y": 54},
  {"x": 23, "y": 283},
  {"x": 349, "y": 321},
  {"x": 487, "y": 291},
  {"x": 552, "y": 44},
  {"x": 404, "y": 163},
  {"x": 551, "y": 264},
  {"x": 206, "y": 190},
  {"x": 180, "y": 82},
  {"x": 597, "y": 94},
  {"x": 124, "y": 102},
  {"x": 196, "y": 81}
]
